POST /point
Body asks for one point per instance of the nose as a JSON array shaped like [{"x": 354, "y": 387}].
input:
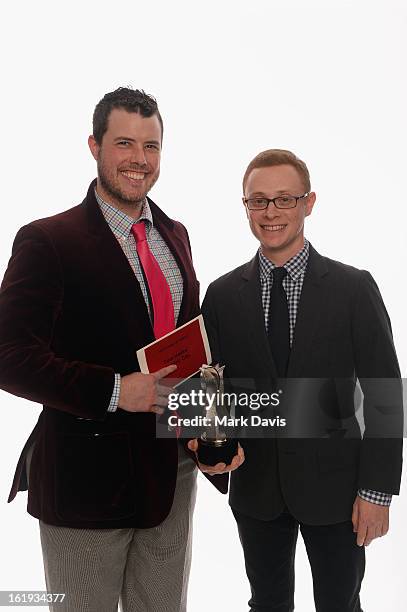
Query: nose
[
  {"x": 271, "y": 211},
  {"x": 138, "y": 156}
]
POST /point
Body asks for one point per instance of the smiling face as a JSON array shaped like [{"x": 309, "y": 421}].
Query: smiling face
[
  {"x": 280, "y": 232},
  {"x": 128, "y": 159}
]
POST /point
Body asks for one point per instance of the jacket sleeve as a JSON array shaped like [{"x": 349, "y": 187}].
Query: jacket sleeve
[
  {"x": 379, "y": 375},
  {"x": 31, "y": 298}
]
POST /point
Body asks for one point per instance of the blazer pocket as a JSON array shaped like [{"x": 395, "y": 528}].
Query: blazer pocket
[
  {"x": 338, "y": 455},
  {"x": 94, "y": 477}
]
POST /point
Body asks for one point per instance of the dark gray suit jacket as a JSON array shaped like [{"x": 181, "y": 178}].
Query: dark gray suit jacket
[{"x": 318, "y": 462}]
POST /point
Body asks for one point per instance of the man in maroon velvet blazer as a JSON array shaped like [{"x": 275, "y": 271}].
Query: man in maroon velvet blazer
[{"x": 114, "y": 502}]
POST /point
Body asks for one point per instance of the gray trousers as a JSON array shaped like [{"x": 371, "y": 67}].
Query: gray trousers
[{"x": 146, "y": 569}]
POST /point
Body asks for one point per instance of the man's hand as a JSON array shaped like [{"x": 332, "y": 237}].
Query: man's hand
[
  {"x": 144, "y": 392},
  {"x": 369, "y": 520},
  {"x": 219, "y": 468}
]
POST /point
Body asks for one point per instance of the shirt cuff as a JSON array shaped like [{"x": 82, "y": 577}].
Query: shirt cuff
[
  {"x": 383, "y": 499},
  {"x": 114, "y": 400}
]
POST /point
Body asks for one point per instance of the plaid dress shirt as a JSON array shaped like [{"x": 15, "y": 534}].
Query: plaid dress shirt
[
  {"x": 121, "y": 225},
  {"x": 292, "y": 283}
]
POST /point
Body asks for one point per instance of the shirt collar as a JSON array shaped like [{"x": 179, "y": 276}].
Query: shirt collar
[
  {"x": 119, "y": 222},
  {"x": 295, "y": 266}
]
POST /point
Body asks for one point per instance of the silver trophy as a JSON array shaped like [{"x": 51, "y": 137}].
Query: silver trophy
[{"x": 214, "y": 446}]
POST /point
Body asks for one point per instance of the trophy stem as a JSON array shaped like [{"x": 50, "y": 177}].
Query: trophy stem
[{"x": 214, "y": 447}]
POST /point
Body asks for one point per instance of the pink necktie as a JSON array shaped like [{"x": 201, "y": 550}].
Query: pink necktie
[{"x": 164, "y": 320}]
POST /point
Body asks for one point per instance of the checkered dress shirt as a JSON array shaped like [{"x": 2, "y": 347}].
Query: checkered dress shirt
[
  {"x": 292, "y": 283},
  {"x": 121, "y": 225}
]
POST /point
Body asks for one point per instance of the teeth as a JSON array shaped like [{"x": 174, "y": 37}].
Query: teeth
[
  {"x": 273, "y": 228},
  {"x": 134, "y": 175}
]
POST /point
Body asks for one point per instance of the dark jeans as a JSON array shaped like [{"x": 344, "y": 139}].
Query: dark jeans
[{"x": 337, "y": 563}]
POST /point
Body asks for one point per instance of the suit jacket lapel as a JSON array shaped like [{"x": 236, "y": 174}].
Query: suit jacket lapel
[
  {"x": 309, "y": 312},
  {"x": 129, "y": 294},
  {"x": 166, "y": 228},
  {"x": 105, "y": 243},
  {"x": 250, "y": 296}
]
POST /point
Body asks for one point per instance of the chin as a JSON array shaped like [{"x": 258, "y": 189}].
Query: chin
[
  {"x": 132, "y": 197},
  {"x": 274, "y": 245}
]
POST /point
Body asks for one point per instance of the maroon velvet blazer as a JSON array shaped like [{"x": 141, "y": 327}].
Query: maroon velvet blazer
[{"x": 71, "y": 315}]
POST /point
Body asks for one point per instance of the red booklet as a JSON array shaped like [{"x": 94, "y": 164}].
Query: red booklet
[{"x": 187, "y": 347}]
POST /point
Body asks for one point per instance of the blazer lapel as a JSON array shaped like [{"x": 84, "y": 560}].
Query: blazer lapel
[
  {"x": 309, "y": 311},
  {"x": 178, "y": 248},
  {"x": 250, "y": 296},
  {"x": 133, "y": 306},
  {"x": 129, "y": 295}
]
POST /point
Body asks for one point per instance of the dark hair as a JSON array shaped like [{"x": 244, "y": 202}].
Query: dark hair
[
  {"x": 131, "y": 100},
  {"x": 279, "y": 157}
]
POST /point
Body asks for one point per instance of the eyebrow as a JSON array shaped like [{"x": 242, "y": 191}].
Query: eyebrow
[
  {"x": 261, "y": 193},
  {"x": 134, "y": 140}
]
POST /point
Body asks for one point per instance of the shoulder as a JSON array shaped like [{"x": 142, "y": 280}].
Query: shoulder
[
  {"x": 161, "y": 218},
  {"x": 64, "y": 229},
  {"x": 356, "y": 285},
  {"x": 232, "y": 279},
  {"x": 338, "y": 271},
  {"x": 344, "y": 270},
  {"x": 180, "y": 227},
  {"x": 60, "y": 220},
  {"x": 49, "y": 228}
]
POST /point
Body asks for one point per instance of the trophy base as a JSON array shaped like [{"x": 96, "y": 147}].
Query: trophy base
[{"x": 209, "y": 453}]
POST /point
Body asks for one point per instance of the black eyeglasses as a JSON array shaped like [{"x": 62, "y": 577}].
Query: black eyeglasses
[{"x": 286, "y": 201}]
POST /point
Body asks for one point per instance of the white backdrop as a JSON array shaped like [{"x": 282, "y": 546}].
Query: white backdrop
[{"x": 325, "y": 79}]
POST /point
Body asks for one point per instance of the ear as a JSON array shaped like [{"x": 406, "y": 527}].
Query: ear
[
  {"x": 93, "y": 146},
  {"x": 309, "y": 204},
  {"x": 245, "y": 207}
]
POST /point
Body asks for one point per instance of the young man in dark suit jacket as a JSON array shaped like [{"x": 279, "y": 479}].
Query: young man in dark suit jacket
[
  {"x": 84, "y": 290},
  {"x": 306, "y": 327}
]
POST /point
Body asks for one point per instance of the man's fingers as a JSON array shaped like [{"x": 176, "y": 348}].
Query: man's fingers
[
  {"x": 193, "y": 445},
  {"x": 240, "y": 453},
  {"x": 237, "y": 460},
  {"x": 208, "y": 469},
  {"x": 164, "y": 390},
  {"x": 362, "y": 534},
  {"x": 386, "y": 524},
  {"x": 382, "y": 529},
  {"x": 163, "y": 396},
  {"x": 222, "y": 468},
  {"x": 371, "y": 534},
  {"x": 161, "y": 400},
  {"x": 370, "y": 520},
  {"x": 164, "y": 372},
  {"x": 355, "y": 516},
  {"x": 219, "y": 468},
  {"x": 157, "y": 409}
]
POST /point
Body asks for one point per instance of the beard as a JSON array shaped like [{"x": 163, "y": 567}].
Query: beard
[{"x": 110, "y": 183}]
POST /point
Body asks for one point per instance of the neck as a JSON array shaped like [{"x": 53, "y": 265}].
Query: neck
[
  {"x": 131, "y": 209},
  {"x": 280, "y": 256}
]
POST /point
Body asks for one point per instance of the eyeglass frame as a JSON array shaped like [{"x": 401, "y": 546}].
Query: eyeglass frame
[{"x": 245, "y": 200}]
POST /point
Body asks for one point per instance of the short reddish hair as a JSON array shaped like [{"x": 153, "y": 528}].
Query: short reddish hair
[{"x": 279, "y": 157}]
